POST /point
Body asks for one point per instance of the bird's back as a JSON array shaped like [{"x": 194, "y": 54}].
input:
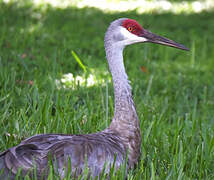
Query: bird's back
[{"x": 99, "y": 150}]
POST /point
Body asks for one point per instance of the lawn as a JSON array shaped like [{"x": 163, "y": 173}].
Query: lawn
[{"x": 173, "y": 90}]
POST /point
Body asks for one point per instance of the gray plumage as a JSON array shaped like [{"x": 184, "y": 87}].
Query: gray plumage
[{"x": 121, "y": 137}]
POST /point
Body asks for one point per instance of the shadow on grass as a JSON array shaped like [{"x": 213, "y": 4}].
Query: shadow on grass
[{"x": 44, "y": 36}]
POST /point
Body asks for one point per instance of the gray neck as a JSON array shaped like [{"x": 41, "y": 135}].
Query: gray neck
[
  {"x": 125, "y": 122},
  {"x": 125, "y": 116}
]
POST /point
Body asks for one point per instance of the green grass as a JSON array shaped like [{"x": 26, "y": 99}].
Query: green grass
[{"x": 174, "y": 98}]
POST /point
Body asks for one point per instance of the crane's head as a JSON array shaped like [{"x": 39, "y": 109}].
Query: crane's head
[{"x": 124, "y": 31}]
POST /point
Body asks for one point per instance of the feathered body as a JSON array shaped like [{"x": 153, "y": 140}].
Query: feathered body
[
  {"x": 63, "y": 150},
  {"x": 100, "y": 148}
]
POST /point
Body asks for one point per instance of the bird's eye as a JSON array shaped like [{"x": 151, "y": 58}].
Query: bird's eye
[{"x": 130, "y": 29}]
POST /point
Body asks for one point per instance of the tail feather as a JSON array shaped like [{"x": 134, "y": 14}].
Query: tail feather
[{"x": 5, "y": 173}]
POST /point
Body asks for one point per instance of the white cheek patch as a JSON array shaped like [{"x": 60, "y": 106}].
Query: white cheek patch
[{"x": 130, "y": 38}]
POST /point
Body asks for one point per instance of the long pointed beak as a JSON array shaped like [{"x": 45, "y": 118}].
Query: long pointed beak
[{"x": 153, "y": 38}]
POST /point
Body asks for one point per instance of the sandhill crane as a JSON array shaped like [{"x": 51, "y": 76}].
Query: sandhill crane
[{"x": 122, "y": 138}]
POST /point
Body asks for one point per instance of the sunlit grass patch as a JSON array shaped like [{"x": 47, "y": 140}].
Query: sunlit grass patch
[
  {"x": 90, "y": 77},
  {"x": 141, "y": 6},
  {"x": 69, "y": 81}
]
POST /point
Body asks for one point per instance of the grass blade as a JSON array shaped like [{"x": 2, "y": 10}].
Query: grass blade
[{"x": 79, "y": 61}]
